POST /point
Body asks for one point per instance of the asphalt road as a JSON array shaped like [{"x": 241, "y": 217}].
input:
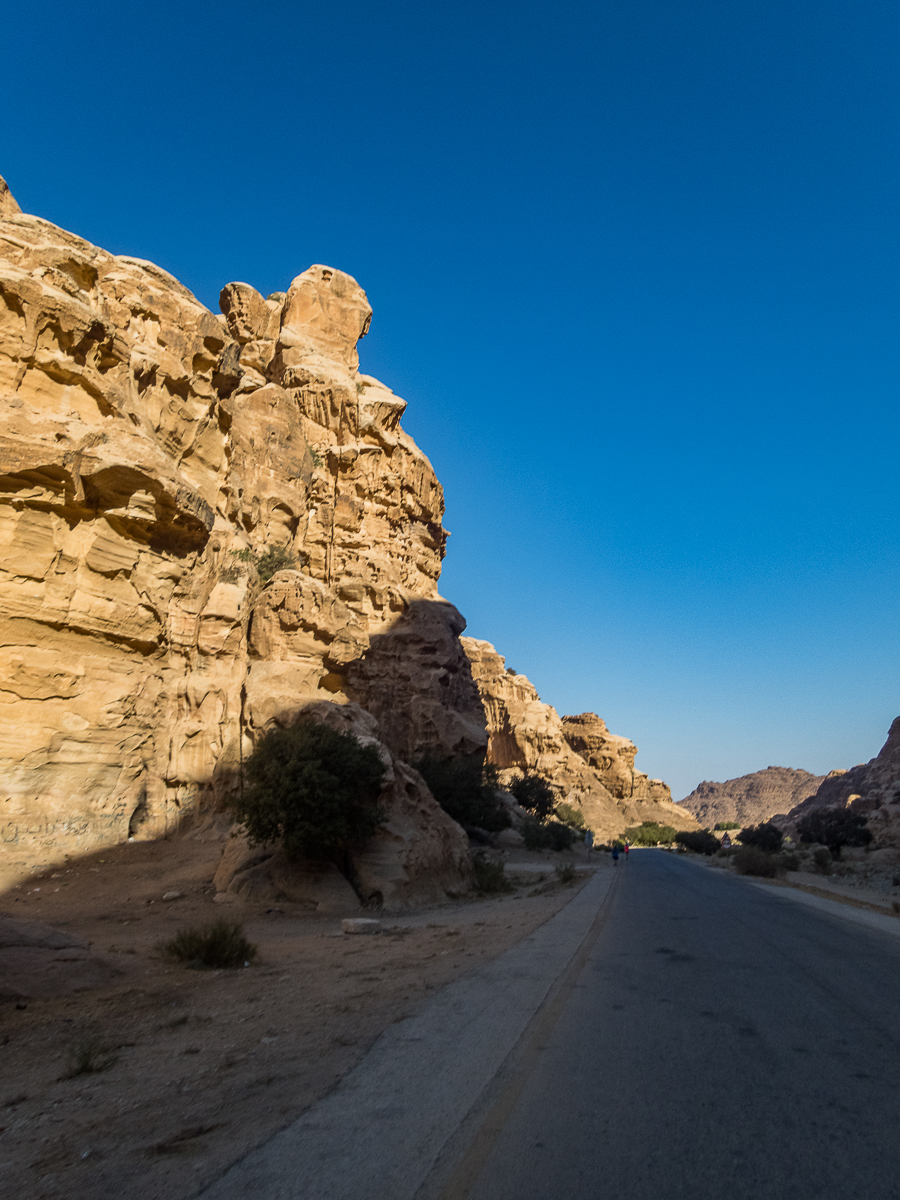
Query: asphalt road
[{"x": 713, "y": 1041}]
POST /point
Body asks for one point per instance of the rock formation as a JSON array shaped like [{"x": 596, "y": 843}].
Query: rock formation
[
  {"x": 872, "y": 788},
  {"x": 588, "y": 766},
  {"x": 210, "y": 524},
  {"x": 751, "y": 798}
]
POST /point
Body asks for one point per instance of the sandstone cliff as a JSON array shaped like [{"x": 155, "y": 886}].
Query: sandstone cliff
[
  {"x": 588, "y": 766},
  {"x": 872, "y": 788},
  {"x": 752, "y": 798},
  {"x": 159, "y": 464},
  {"x": 150, "y": 454}
]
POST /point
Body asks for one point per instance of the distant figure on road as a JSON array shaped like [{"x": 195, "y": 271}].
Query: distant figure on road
[
  {"x": 627, "y": 848},
  {"x": 589, "y": 841},
  {"x": 615, "y": 853}
]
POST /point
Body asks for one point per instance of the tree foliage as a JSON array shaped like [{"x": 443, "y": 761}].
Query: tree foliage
[
  {"x": 723, "y": 825},
  {"x": 314, "y": 789},
  {"x": 535, "y": 795},
  {"x": 701, "y": 841},
  {"x": 834, "y": 828},
  {"x": 547, "y": 835},
  {"x": 764, "y": 836},
  {"x": 570, "y": 815},
  {"x": 466, "y": 789},
  {"x": 649, "y": 833}
]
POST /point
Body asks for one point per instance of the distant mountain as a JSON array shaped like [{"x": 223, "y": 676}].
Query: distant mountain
[{"x": 751, "y": 798}]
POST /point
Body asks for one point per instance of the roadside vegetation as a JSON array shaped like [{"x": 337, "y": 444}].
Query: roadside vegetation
[
  {"x": 466, "y": 789},
  {"x": 650, "y": 833},
  {"x": 835, "y": 828},
  {"x": 215, "y": 947},
  {"x": 701, "y": 841}
]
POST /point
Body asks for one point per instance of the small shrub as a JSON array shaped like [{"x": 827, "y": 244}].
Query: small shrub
[
  {"x": 88, "y": 1058},
  {"x": 535, "y": 795},
  {"x": 789, "y": 862},
  {"x": 570, "y": 815},
  {"x": 551, "y": 835},
  {"x": 649, "y": 833},
  {"x": 315, "y": 790},
  {"x": 822, "y": 860},
  {"x": 490, "y": 876},
  {"x": 764, "y": 837},
  {"x": 565, "y": 874},
  {"x": 466, "y": 789},
  {"x": 218, "y": 946},
  {"x": 834, "y": 828},
  {"x": 721, "y": 825},
  {"x": 750, "y": 860},
  {"x": 267, "y": 564},
  {"x": 698, "y": 840}
]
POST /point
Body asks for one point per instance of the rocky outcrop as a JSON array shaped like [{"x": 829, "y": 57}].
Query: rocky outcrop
[
  {"x": 872, "y": 788},
  {"x": 588, "y": 766},
  {"x": 151, "y": 455},
  {"x": 752, "y": 798}
]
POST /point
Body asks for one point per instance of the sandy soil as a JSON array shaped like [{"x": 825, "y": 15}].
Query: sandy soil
[{"x": 204, "y": 1065}]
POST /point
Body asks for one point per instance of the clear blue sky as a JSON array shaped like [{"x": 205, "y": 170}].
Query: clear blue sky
[{"x": 635, "y": 267}]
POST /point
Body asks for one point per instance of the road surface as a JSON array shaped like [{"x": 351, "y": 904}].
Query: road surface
[{"x": 716, "y": 1041}]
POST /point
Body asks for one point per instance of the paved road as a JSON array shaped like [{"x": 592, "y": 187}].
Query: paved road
[{"x": 714, "y": 1042}]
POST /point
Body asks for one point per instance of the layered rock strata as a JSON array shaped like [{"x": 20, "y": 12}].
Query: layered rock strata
[
  {"x": 150, "y": 453},
  {"x": 589, "y": 767},
  {"x": 752, "y": 798}
]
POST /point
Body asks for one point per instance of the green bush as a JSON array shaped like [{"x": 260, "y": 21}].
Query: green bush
[
  {"x": 649, "y": 833},
  {"x": 822, "y": 860},
  {"x": 535, "y": 795},
  {"x": 765, "y": 836},
  {"x": 466, "y": 789},
  {"x": 315, "y": 790},
  {"x": 698, "y": 840},
  {"x": 721, "y": 825},
  {"x": 549, "y": 835},
  {"x": 218, "y": 946},
  {"x": 834, "y": 828},
  {"x": 566, "y": 874},
  {"x": 268, "y": 563},
  {"x": 490, "y": 876},
  {"x": 789, "y": 862},
  {"x": 750, "y": 860},
  {"x": 570, "y": 815}
]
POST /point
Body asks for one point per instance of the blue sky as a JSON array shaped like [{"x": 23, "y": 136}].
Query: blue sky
[{"x": 634, "y": 266}]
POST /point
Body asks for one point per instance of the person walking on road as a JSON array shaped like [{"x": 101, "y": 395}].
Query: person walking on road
[
  {"x": 589, "y": 841},
  {"x": 615, "y": 854},
  {"x": 627, "y": 848}
]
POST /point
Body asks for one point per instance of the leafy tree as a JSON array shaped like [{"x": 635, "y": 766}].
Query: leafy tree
[
  {"x": 765, "y": 836},
  {"x": 466, "y": 789},
  {"x": 649, "y": 833},
  {"x": 570, "y": 815},
  {"x": 751, "y": 860},
  {"x": 535, "y": 795},
  {"x": 549, "y": 835},
  {"x": 701, "y": 841},
  {"x": 834, "y": 828},
  {"x": 721, "y": 825},
  {"x": 315, "y": 790}
]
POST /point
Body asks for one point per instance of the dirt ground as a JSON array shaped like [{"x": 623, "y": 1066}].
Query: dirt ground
[{"x": 200, "y": 1066}]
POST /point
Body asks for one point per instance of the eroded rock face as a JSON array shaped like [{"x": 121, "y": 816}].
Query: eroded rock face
[
  {"x": 150, "y": 452},
  {"x": 752, "y": 798},
  {"x": 872, "y": 788},
  {"x": 588, "y": 766}
]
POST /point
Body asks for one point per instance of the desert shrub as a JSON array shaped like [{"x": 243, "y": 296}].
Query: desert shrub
[
  {"x": 789, "y": 861},
  {"x": 750, "y": 860},
  {"x": 822, "y": 859},
  {"x": 721, "y": 825},
  {"x": 88, "y": 1058},
  {"x": 466, "y": 789},
  {"x": 649, "y": 833},
  {"x": 565, "y": 874},
  {"x": 570, "y": 815},
  {"x": 267, "y": 564},
  {"x": 218, "y": 946},
  {"x": 834, "y": 828},
  {"x": 765, "y": 836},
  {"x": 698, "y": 840},
  {"x": 535, "y": 795},
  {"x": 490, "y": 876},
  {"x": 314, "y": 789},
  {"x": 550, "y": 835}
]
